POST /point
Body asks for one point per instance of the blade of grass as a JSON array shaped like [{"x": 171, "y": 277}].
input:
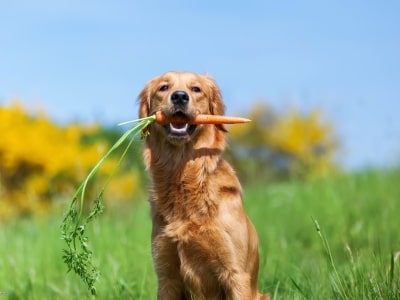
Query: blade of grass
[
  {"x": 298, "y": 288},
  {"x": 336, "y": 279},
  {"x": 391, "y": 270},
  {"x": 275, "y": 296}
]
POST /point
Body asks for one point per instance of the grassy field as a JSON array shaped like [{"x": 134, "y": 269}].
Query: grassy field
[{"x": 355, "y": 255}]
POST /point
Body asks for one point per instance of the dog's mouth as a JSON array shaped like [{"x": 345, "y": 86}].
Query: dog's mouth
[{"x": 180, "y": 127}]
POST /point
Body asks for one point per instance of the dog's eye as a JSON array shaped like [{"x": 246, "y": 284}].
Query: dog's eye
[
  {"x": 196, "y": 89},
  {"x": 164, "y": 87}
]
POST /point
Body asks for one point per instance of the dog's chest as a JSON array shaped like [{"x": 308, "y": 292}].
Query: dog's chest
[{"x": 183, "y": 200}]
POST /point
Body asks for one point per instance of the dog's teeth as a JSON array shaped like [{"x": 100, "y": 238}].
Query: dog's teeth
[{"x": 178, "y": 129}]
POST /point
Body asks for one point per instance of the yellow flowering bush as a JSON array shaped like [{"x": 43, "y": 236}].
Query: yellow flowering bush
[
  {"x": 41, "y": 162},
  {"x": 285, "y": 144}
]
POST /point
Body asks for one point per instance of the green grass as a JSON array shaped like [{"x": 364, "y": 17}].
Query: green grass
[
  {"x": 351, "y": 256},
  {"x": 359, "y": 219}
]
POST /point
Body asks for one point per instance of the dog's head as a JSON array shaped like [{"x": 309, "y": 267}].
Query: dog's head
[{"x": 183, "y": 95}]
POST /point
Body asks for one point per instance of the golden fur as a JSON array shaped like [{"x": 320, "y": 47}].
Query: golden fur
[{"x": 202, "y": 240}]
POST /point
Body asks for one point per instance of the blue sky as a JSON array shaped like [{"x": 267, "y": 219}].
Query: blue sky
[{"x": 88, "y": 60}]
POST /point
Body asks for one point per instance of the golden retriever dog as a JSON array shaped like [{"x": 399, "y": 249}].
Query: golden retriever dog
[{"x": 203, "y": 244}]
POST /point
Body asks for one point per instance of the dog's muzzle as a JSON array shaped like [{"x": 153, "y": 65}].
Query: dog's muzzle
[{"x": 180, "y": 128}]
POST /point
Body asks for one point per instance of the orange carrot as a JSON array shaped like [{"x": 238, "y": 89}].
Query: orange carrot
[{"x": 161, "y": 118}]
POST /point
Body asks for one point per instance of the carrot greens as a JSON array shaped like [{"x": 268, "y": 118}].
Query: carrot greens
[{"x": 78, "y": 255}]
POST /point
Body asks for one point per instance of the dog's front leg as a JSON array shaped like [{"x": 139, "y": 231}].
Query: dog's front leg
[
  {"x": 171, "y": 289},
  {"x": 167, "y": 266}
]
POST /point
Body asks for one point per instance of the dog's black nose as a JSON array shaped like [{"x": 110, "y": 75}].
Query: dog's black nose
[{"x": 179, "y": 98}]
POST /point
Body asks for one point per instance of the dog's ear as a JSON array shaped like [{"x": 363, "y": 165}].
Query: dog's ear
[
  {"x": 144, "y": 102},
  {"x": 217, "y": 106},
  {"x": 144, "y": 106}
]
